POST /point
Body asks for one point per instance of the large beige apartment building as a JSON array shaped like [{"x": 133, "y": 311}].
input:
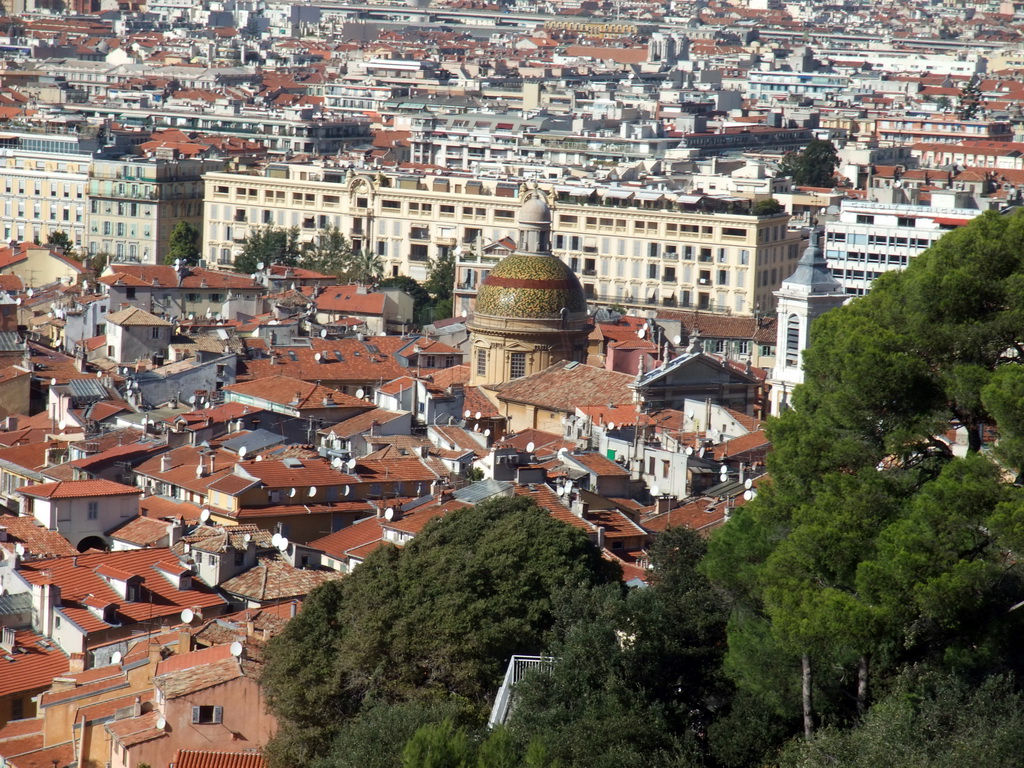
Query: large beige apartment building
[{"x": 630, "y": 246}]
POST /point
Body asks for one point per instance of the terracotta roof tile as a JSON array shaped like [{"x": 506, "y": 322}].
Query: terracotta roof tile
[
  {"x": 77, "y": 578},
  {"x": 562, "y": 387},
  {"x": 273, "y": 579},
  {"x": 35, "y": 662},
  {"x": 37, "y": 539},
  {"x": 141, "y": 531},
  {"x": 190, "y": 758},
  {"x": 284, "y": 390},
  {"x": 78, "y": 489}
]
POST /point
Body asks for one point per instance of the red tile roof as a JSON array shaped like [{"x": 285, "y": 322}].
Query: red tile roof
[
  {"x": 78, "y": 489},
  {"x": 78, "y": 578},
  {"x": 348, "y": 300},
  {"x": 38, "y": 541},
  {"x": 166, "y": 276},
  {"x": 284, "y": 390},
  {"x": 33, "y": 667},
  {"x": 191, "y": 758},
  {"x": 563, "y": 387}
]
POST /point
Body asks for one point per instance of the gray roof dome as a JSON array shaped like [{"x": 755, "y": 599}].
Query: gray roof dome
[
  {"x": 812, "y": 273},
  {"x": 535, "y": 212}
]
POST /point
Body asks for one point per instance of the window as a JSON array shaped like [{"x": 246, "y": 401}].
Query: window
[
  {"x": 154, "y": 332},
  {"x": 129, "y": 292},
  {"x": 723, "y": 277},
  {"x": 94, "y": 510},
  {"x": 863, "y": 218},
  {"x": 664, "y": 468},
  {"x": 481, "y": 362},
  {"x": 517, "y": 365},
  {"x": 767, "y": 350},
  {"x": 793, "y": 340},
  {"x": 206, "y": 715}
]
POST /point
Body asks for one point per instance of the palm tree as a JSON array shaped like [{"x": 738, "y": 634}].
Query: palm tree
[{"x": 365, "y": 267}]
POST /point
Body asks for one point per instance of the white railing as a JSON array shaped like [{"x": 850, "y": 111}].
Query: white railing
[{"x": 518, "y": 666}]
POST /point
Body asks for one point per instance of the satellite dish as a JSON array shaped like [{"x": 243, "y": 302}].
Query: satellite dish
[
  {"x": 389, "y": 513},
  {"x": 247, "y": 538},
  {"x": 642, "y": 332},
  {"x": 562, "y": 451},
  {"x": 192, "y": 400},
  {"x": 318, "y": 357},
  {"x": 199, "y": 470},
  {"x": 242, "y": 451},
  {"x": 351, "y": 464},
  {"x": 236, "y": 649},
  {"x": 336, "y": 462},
  {"x": 63, "y": 425},
  {"x": 99, "y": 374},
  {"x": 116, "y": 658},
  {"x": 345, "y": 490},
  {"x": 724, "y": 468},
  {"x": 53, "y": 382},
  {"x": 655, "y": 490},
  {"x": 323, "y": 333},
  {"x": 275, "y": 540},
  {"x": 18, "y": 301},
  {"x": 30, "y": 293},
  {"x": 312, "y": 491},
  {"x": 258, "y": 458},
  {"x": 477, "y": 415},
  {"x": 476, "y": 427},
  {"x": 204, "y": 515},
  {"x": 487, "y": 432},
  {"x": 701, "y": 452},
  {"x": 561, "y": 490},
  {"x": 530, "y": 446},
  {"x": 187, "y": 615},
  {"x": 689, "y": 450},
  {"x": 570, "y": 487},
  {"x": 611, "y": 425},
  {"x": 283, "y": 544},
  {"x": 748, "y": 495},
  {"x": 646, "y": 326},
  {"x": 689, "y": 415},
  {"x": 292, "y": 492},
  {"x": 360, "y": 393},
  {"x": 468, "y": 413},
  {"x": 677, "y": 339},
  {"x": 161, "y": 723},
  {"x": 260, "y": 265},
  {"x": 748, "y": 484}
]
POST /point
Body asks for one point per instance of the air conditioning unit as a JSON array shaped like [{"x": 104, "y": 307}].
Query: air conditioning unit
[{"x": 704, "y": 281}]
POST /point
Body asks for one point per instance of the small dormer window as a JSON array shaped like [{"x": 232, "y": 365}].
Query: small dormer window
[{"x": 186, "y": 581}]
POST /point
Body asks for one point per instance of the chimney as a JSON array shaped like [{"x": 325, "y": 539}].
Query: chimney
[
  {"x": 600, "y": 537},
  {"x": 175, "y": 531},
  {"x": 11, "y": 423},
  {"x": 250, "y": 628},
  {"x": 7, "y": 639},
  {"x": 662, "y": 504},
  {"x": 184, "y": 640},
  {"x": 76, "y": 663},
  {"x": 165, "y": 463},
  {"x": 45, "y": 597},
  {"x": 212, "y": 464},
  {"x": 155, "y": 652}
]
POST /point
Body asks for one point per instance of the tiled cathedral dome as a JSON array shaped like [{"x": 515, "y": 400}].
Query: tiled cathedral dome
[{"x": 530, "y": 286}]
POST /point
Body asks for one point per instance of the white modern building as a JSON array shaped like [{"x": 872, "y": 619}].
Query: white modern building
[{"x": 870, "y": 238}]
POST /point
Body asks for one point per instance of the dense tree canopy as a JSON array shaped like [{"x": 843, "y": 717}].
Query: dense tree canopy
[
  {"x": 875, "y": 546},
  {"x": 634, "y": 670},
  {"x": 441, "y": 616},
  {"x": 183, "y": 244},
  {"x": 268, "y": 245},
  {"x": 814, "y": 166}
]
